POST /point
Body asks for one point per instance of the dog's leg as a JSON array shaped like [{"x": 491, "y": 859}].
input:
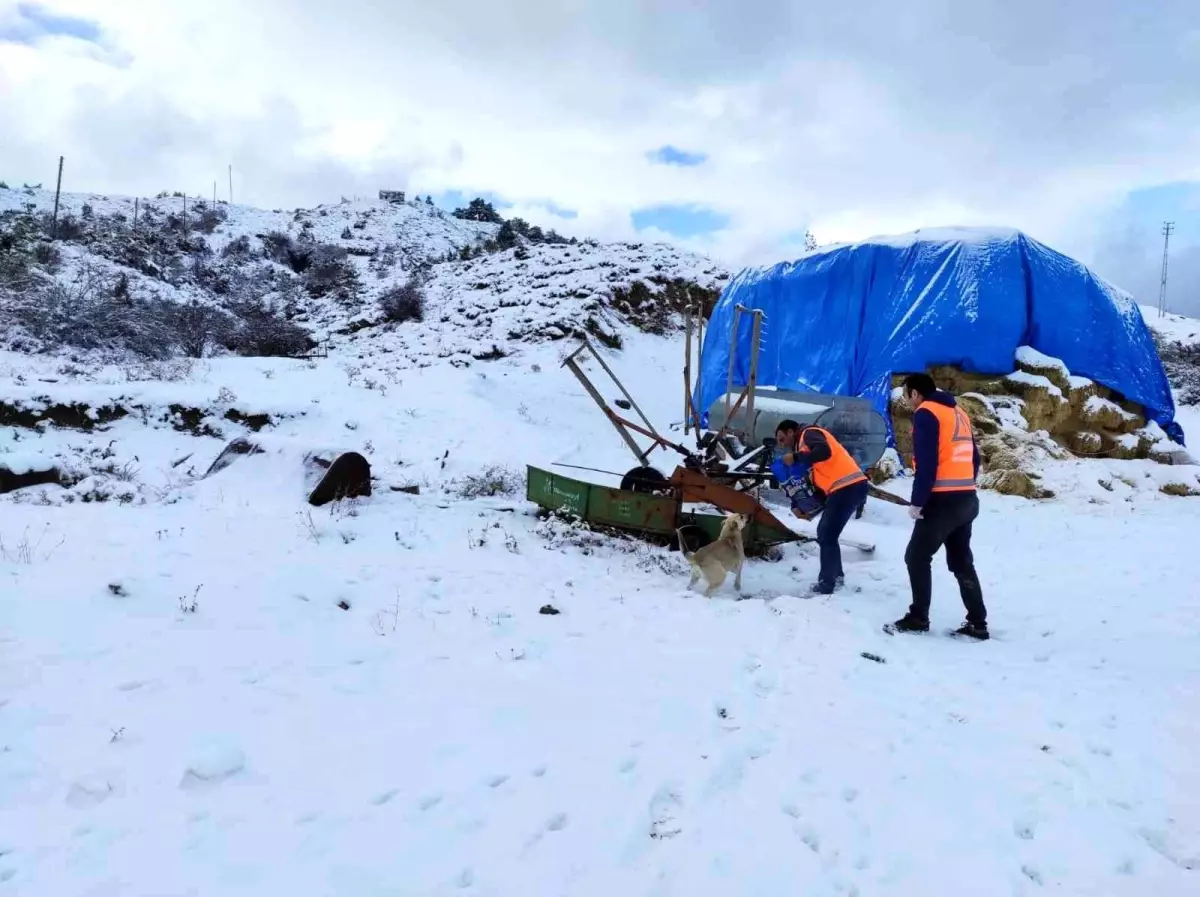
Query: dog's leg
[
  {"x": 737, "y": 575},
  {"x": 715, "y": 577}
]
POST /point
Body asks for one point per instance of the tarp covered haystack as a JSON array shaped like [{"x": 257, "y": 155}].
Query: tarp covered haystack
[{"x": 845, "y": 319}]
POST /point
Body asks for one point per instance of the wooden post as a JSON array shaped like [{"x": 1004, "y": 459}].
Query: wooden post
[
  {"x": 687, "y": 375},
  {"x": 214, "y": 196},
  {"x": 737, "y": 311},
  {"x": 136, "y": 201},
  {"x": 231, "y": 184},
  {"x": 57, "y": 191}
]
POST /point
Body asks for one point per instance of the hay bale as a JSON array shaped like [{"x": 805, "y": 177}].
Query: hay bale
[
  {"x": 1011, "y": 482},
  {"x": 1126, "y": 446},
  {"x": 349, "y": 476},
  {"x": 1085, "y": 442},
  {"x": 1081, "y": 390},
  {"x": 1105, "y": 414},
  {"x": 1033, "y": 362},
  {"x": 1046, "y": 408},
  {"x": 981, "y": 414}
]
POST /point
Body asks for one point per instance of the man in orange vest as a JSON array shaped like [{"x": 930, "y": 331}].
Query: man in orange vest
[
  {"x": 814, "y": 451},
  {"x": 944, "y": 504}
]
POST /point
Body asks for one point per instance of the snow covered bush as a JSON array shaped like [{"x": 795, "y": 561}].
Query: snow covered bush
[
  {"x": 263, "y": 331},
  {"x": 405, "y": 302},
  {"x": 1182, "y": 364},
  {"x": 496, "y": 480}
]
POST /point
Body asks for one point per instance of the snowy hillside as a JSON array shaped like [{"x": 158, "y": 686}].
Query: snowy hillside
[
  {"x": 210, "y": 687},
  {"x": 334, "y": 271}
]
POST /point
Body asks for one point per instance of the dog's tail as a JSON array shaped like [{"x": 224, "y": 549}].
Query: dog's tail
[{"x": 683, "y": 546}]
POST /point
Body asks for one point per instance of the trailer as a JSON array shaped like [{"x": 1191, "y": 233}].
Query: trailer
[{"x": 661, "y": 516}]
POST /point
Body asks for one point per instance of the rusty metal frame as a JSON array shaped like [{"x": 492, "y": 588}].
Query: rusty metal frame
[{"x": 621, "y": 424}]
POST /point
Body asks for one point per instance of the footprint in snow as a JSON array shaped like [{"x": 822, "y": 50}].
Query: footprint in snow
[
  {"x": 665, "y": 806},
  {"x": 497, "y": 780},
  {"x": 1032, "y": 874},
  {"x": 557, "y": 822},
  {"x": 381, "y": 799},
  {"x": 539, "y": 771},
  {"x": 429, "y": 802},
  {"x": 213, "y": 766},
  {"x": 466, "y": 878},
  {"x": 628, "y": 765},
  {"x": 1023, "y": 830}
]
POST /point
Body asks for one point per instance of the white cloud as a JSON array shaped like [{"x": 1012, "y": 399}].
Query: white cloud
[{"x": 852, "y": 120}]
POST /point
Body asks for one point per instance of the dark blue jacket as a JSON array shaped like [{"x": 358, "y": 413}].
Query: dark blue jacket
[{"x": 925, "y": 448}]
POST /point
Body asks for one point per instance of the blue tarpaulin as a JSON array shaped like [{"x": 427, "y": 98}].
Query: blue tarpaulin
[{"x": 844, "y": 319}]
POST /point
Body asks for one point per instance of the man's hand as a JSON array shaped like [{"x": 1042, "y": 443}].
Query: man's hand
[
  {"x": 789, "y": 459},
  {"x": 914, "y": 512}
]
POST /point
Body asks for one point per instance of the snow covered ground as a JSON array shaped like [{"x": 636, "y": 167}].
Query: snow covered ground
[{"x": 207, "y": 687}]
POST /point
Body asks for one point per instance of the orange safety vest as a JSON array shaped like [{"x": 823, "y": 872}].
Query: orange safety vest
[
  {"x": 838, "y": 471},
  {"x": 956, "y": 449}
]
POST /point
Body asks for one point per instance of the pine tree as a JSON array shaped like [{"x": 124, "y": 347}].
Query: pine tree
[
  {"x": 810, "y": 242},
  {"x": 506, "y": 237},
  {"x": 479, "y": 209}
]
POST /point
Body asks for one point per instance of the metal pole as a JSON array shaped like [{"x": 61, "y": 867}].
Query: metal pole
[
  {"x": 758, "y": 319},
  {"x": 621, "y": 386},
  {"x": 231, "y": 184},
  {"x": 599, "y": 400},
  {"x": 687, "y": 375},
  {"x": 737, "y": 311},
  {"x": 57, "y": 191}
]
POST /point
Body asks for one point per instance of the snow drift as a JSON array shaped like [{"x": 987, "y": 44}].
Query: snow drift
[{"x": 844, "y": 319}]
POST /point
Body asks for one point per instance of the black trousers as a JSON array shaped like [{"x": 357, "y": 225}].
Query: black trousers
[
  {"x": 839, "y": 508},
  {"x": 945, "y": 520}
]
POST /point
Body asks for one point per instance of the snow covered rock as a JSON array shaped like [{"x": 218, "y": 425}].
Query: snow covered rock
[{"x": 19, "y": 471}]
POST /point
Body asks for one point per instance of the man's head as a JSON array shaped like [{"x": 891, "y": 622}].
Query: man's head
[
  {"x": 785, "y": 434},
  {"x": 917, "y": 388}
]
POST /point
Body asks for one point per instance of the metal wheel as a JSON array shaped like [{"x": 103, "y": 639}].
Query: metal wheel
[
  {"x": 643, "y": 479},
  {"x": 694, "y": 538}
]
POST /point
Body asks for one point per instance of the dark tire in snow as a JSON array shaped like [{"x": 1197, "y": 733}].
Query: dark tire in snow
[{"x": 643, "y": 479}]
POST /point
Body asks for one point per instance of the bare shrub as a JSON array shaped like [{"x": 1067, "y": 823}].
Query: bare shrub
[
  {"x": 199, "y": 327},
  {"x": 264, "y": 332},
  {"x": 495, "y": 480}
]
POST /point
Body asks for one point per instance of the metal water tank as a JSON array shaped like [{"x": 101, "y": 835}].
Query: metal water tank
[{"x": 855, "y": 423}]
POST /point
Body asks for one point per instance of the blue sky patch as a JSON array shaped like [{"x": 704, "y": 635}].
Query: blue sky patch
[
  {"x": 671, "y": 155},
  {"x": 456, "y": 199},
  {"x": 680, "y": 221},
  {"x": 1149, "y": 207},
  {"x": 34, "y": 23}
]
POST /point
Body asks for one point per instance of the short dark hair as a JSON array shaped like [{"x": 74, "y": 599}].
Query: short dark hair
[
  {"x": 785, "y": 425},
  {"x": 922, "y": 384}
]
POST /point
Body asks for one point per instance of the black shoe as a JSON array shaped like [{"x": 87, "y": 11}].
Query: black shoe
[
  {"x": 909, "y": 623},
  {"x": 977, "y": 631},
  {"x": 825, "y": 588}
]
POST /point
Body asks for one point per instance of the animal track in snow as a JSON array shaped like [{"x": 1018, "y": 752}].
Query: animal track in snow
[
  {"x": 557, "y": 822},
  {"x": 429, "y": 802},
  {"x": 385, "y": 797},
  {"x": 497, "y": 780}
]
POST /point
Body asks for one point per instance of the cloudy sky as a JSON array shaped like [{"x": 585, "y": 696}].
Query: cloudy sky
[{"x": 726, "y": 126}]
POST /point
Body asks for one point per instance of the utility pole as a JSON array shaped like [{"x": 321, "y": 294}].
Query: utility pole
[
  {"x": 57, "y": 191},
  {"x": 231, "y": 184},
  {"x": 1168, "y": 226}
]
